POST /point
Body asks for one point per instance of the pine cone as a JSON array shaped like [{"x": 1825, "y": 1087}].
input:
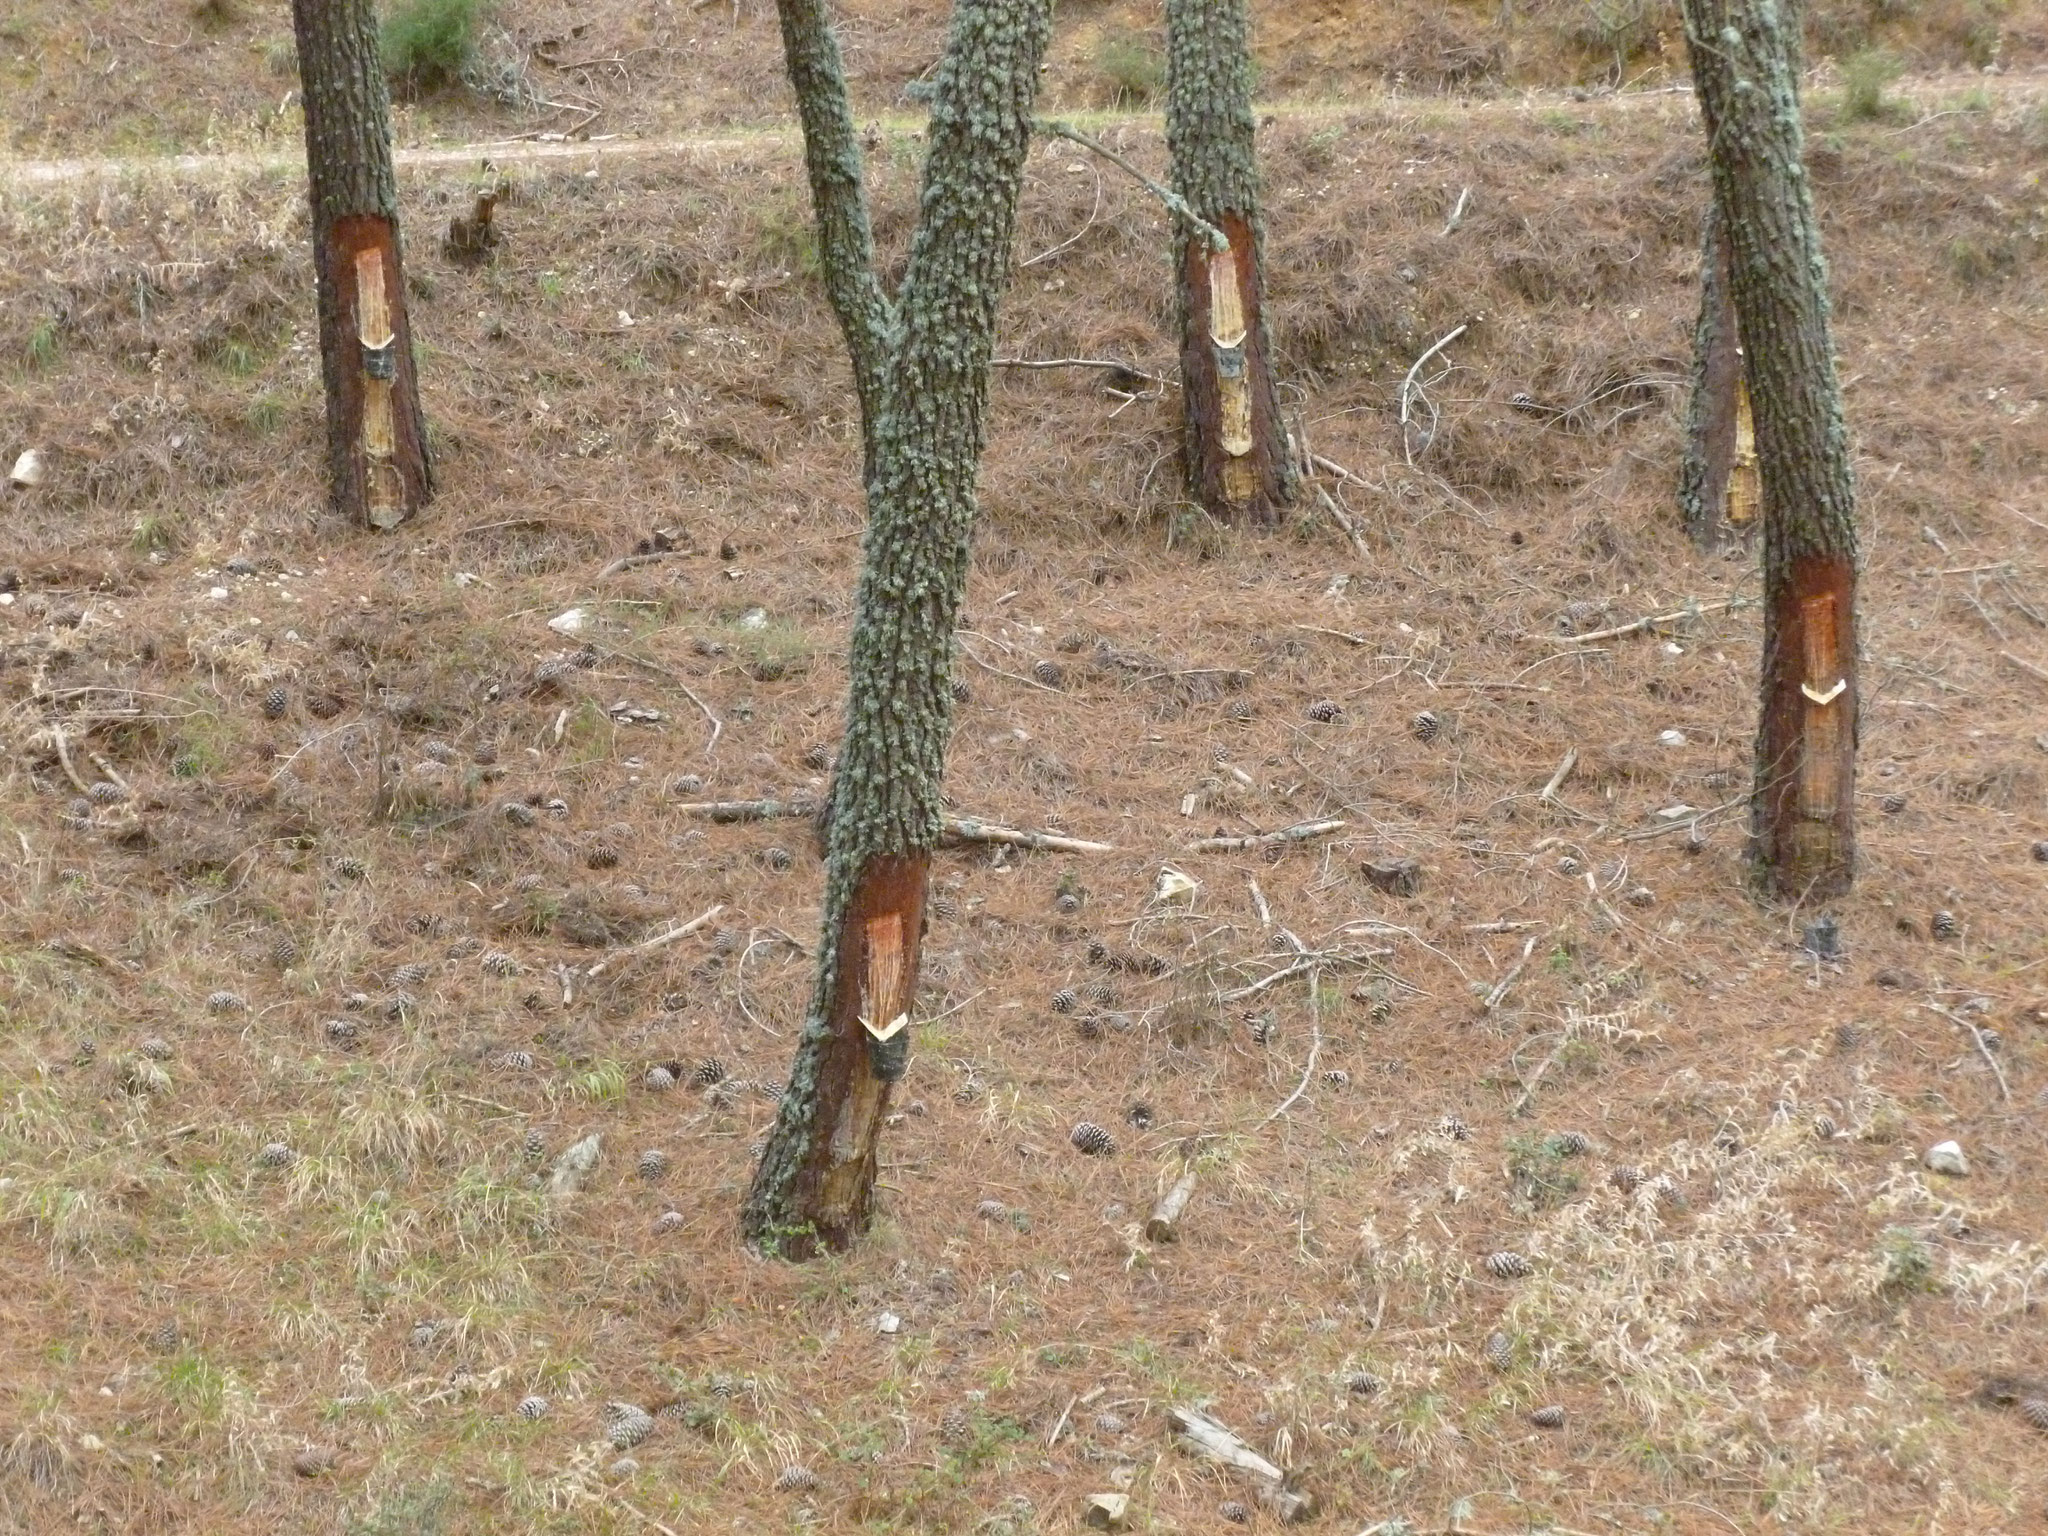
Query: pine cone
[
  {"x": 1569, "y": 1143},
  {"x": 1324, "y": 711},
  {"x": 225, "y": 1002},
  {"x": 1049, "y": 674},
  {"x": 659, "y": 1080},
  {"x": 274, "y": 1155},
  {"x": 1551, "y": 1417},
  {"x": 1092, "y": 1139},
  {"x": 1424, "y": 726},
  {"x": 653, "y": 1163},
  {"x": 1499, "y": 1351},
  {"x": 276, "y": 702},
  {"x": 1507, "y": 1265},
  {"x": 533, "y": 1407}
]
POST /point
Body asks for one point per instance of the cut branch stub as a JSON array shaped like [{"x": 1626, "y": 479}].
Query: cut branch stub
[{"x": 384, "y": 490}]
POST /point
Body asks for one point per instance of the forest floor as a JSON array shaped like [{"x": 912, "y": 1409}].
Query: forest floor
[{"x": 298, "y": 1017}]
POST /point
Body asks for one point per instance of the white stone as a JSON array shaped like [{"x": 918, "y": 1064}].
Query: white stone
[
  {"x": 1947, "y": 1157},
  {"x": 888, "y": 1322},
  {"x": 218, "y": 594},
  {"x": 1671, "y": 738},
  {"x": 572, "y": 622},
  {"x": 754, "y": 618},
  {"x": 28, "y": 469}
]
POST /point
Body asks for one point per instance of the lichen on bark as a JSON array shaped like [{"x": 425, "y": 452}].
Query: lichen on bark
[
  {"x": 924, "y": 432},
  {"x": 1802, "y": 821}
]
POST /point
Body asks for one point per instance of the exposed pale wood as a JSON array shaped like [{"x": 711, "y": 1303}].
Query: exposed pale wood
[
  {"x": 1500, "y": 988},
  {"x": 1163, "y": 1225},
  {"x": 1211, "y": 1440}
]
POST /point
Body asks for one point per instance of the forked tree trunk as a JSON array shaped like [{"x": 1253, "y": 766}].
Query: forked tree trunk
[
  {"x": 1802, "y": 812},
  {"x": 1234, "y": 441},
  {"x": 377, "y": 467},
  {"x": 1717, "y": 480},
  {"x": 922, "y": 369}
]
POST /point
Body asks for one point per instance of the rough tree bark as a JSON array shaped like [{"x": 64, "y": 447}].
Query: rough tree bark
[
  {"x": 921, "y": 366},
  {"x": 1234, "y": 441},
  {"x": 377, "y": 465},
  {"x": 1717, "y": 484},
  {"x": 1802, "y": 830}
]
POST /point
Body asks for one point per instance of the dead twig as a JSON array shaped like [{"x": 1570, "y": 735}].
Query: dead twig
[
  {"x": 1343, "y": 521},
  {"x": 1301, "y": 831},
  {"x": 1977, "y": 1039},
  {"x": 1457, "y": 213},
  {"x": 1500, "y": 988},
  {"x": 1408, "y": 390},
  {"x": 628, "y": 562},
  {"x": 64, "y": 758},
  {"x": 1315, "y": 1047},
  {"x": 2025, "y": 666},
  {"x": 1174, "y": 203},
  {"x": 967, "y": 829},
  {"x": 1083, "y": 362},
  {"x": 682, "y": 931},
  {"x": 1651, "y": 621}
]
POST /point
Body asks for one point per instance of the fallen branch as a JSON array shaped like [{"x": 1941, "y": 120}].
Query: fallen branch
[
  {"x": 1301, "y": 831},
  {"x": 64, "y": 758},
  {"x": 1341, "y": 472},
  {"x": 1457, "y": 213},
  {"x": 1564, "y": 771},
  {"x": 1977, "y": 1039},
  {"x": 1408, "y": 384},
  {"x": 1689, "y": 823},
  {"x": 628, "y": 562},
  {"x": 1080, "y": 362},
  {"x": 967, "y": 829},
  {"x": 960, "y": 829},
  {"x": 1315, "y": 1047},
  {"x": 1331, "y": 506},
  {"x": 2025, "y": 666},
  {"x": 1207, "y": 1438},
  {"x": 745, "y": 810},
  {"x": 1500, "y": 988},
  {"x": 1651, "y": 621},
  {"x": 694, "y": 925},
  {"x": 1163, "y": 1225},
  {"x": 1530, "y": 1085},
  {"x": 1174, "y": 203}
]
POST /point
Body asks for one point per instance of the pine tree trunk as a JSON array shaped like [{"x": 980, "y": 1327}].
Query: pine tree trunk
[
  {"x": 377, "y": 466},
  {"x": 1717, "y": 475},
  {"x": 1235, "y": 443},
  {"x": 1802, "y": 813},
  {"x": 814, "y": 1188}
]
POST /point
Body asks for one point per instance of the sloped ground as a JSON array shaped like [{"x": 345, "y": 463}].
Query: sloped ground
[
  {"x": 1784, "y": 1321},
  {"x": 81, "y": 77}
]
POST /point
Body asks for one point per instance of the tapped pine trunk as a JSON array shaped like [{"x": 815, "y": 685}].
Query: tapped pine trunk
[
  {"x": 377, "y": 467},
  {"x": 1802, "y": 828},
  {"x": 921, "y": 371},
  {"x": 1234, "y": 440},
  {"x": 1717, "y": 489}
]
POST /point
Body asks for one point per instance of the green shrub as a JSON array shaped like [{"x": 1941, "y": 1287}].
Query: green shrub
[
  {"x": 1133, "y": 64},
  {"x": 1866, "y": 77},
  {"x": 429, "y": 43}
]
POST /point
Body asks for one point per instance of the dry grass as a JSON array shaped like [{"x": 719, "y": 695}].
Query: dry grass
[
  {"x": 85, "y": 77},
  {"x": 1770, "y": 1327}
]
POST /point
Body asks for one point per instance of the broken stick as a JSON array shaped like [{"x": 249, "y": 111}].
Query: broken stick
[
  {"x": 694, "y": 925},
  {"x": 1207, "y": 1438},
  {"x": 1163, "y": 1225},
  {"x": 959, "y": 829},
  {"x": 1299, "y": 832}
]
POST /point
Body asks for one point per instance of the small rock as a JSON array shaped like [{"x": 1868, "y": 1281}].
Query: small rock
[
  {"x": 1106, "y": 1512},
  {"x": 27, "y": 471},
  {"x": 888, "y": 1322},
  {"x": 1947, "y": 1157},
  {"x": 1671, "y": 738},
  {"x": 572, "y": 622},
  {"x": 1396, "y": 877}
]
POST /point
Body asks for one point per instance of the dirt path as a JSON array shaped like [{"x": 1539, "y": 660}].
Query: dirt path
[{"x": 1927, "y": 91}]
